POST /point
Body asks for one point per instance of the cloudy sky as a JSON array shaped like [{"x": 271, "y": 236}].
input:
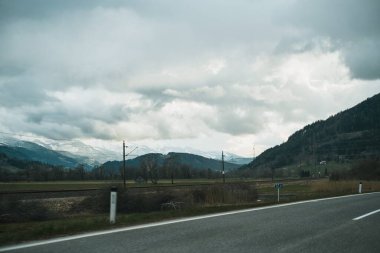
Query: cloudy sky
[{"x": 210, "y": 74}]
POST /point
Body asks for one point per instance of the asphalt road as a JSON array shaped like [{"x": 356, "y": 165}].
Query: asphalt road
[{"x": 314, "y": 226}]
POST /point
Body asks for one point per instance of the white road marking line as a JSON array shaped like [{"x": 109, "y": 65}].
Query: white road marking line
[
  {"x": 156, "y": 224},
  {"x": 367, "y": 214}
]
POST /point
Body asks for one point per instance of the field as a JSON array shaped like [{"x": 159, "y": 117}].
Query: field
[
  {"x": 80, "y": 185},
  {"x": 328, "y": 168},
  {"x": 43, "y": 215}
]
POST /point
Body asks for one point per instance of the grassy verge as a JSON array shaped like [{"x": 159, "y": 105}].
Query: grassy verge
[
  {"x": 11, "y": 233},
  {"x": 319, "y": 189}
]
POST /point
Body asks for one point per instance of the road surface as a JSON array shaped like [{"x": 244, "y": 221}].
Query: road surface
[{"x": 342, "y": 224}]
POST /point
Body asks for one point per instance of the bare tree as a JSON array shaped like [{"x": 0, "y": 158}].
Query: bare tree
[
  {"x": 150, "y": 167},
  {"x": 171, "y": 163}
]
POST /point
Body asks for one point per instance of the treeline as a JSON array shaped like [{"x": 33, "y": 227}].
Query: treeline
[
  {"x": 152, "y": 169},
  {"x": 148, "y": 171},
  {"x": 153, "y": 175},
  {"x": 362, "y": 170},
  {"x": 22, "y": 170}
]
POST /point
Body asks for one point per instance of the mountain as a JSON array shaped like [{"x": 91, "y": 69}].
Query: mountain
[
  {"x": 216, "y": 155},
  {"x": 70, "y": 154},
  {"x": 353, "y": 134},
  {"x": 228, "y": 157},
  {"x": 80, "y": 151},
  {"x": 238, "y": 160},
  {"x": 195, "y": 162},
  {"x": 93, "y": 156},
  {"x": 25, "y": 150}
]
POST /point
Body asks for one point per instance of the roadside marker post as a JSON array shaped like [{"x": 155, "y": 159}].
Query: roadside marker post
[
  {"x": 278, "y": 186},
  {"x": 113, "y": 204},
  {"x": 360, "y": 187}
]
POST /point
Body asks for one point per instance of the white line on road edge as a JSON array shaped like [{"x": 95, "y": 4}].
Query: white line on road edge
[
  {"x": 367, "y": 214},
  {"x": 156, "y": 224}
]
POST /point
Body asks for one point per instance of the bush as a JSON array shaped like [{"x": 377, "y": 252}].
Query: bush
[
  {"x": 366, "y": 170},
  {"x": 335, "y": 176},
  {"x": 131, "y": 200},
  {"x": 24, "y": 210}
]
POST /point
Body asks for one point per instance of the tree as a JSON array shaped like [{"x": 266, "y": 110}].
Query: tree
[
  {"x": 80, "y": 171},
  {"x": 149, "y": 165},
  {"x": 171, "y": 164},
  {"x": 305, "y": 173}
]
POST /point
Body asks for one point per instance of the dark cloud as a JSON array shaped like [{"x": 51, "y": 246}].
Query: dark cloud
[
  {"x": 363, "y": 58},
  {"x": 352, "y": 26},
  {"x": 11, "y": 10},
  {"x": 344, "y": 19},
  {"x": 10, "y": 71},
  {"x": 21, "y": 93}
]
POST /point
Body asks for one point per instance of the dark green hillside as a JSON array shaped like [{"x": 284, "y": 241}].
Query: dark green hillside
[
  {"x": 183, "y": 165},
  {"x": 353, "y": 134},
  {"x": 200, "y": 162},
  {"x": 13, "y": 169},
  {"x": 186, "y": 159},
  {"x": 34, "y": 152}
]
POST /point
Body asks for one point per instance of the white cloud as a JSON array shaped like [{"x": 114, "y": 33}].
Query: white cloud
[
  {"x": 215, "y": 66},
  {"x": 214, "y": 75}
]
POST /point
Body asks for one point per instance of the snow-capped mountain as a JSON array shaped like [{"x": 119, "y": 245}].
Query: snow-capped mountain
[
  {"x": 26, "y": 150},
  {"x": 90, "y": 155},
  {"x": 78, "y": 148},
  {"x": 217, "y": 155}
]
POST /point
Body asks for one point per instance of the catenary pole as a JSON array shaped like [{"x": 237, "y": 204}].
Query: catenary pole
[
  {"x": 124, "y": 164},
  {"x": 224, "y": 179}
]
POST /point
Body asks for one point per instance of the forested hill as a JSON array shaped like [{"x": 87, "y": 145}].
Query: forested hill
[
  {"x": 176, "y": 159},
  {"x": 183, "y": 165},
  {"x": 349, "y": 135}
]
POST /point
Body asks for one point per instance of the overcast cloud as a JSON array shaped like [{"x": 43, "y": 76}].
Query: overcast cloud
[{"x": 212, "y": 75}]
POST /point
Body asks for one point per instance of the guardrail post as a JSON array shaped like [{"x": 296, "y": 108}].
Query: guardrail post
[
  {"x": 113, "y": 204},
  {"x": 360, "y": 187}
]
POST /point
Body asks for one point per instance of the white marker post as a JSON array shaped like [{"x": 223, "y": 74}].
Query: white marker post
[
  {"x": 113, "y": 204},
  {"x": 360, "y": 187}
]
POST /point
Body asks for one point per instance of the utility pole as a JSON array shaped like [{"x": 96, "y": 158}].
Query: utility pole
[
  {"x": 224, "y": 179},
  {"x": 314, "y": 156},
  {"x": 125, "y": 155},
  {"x": 254, "y": 153},
  {"x": 124, "y": 164}
]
